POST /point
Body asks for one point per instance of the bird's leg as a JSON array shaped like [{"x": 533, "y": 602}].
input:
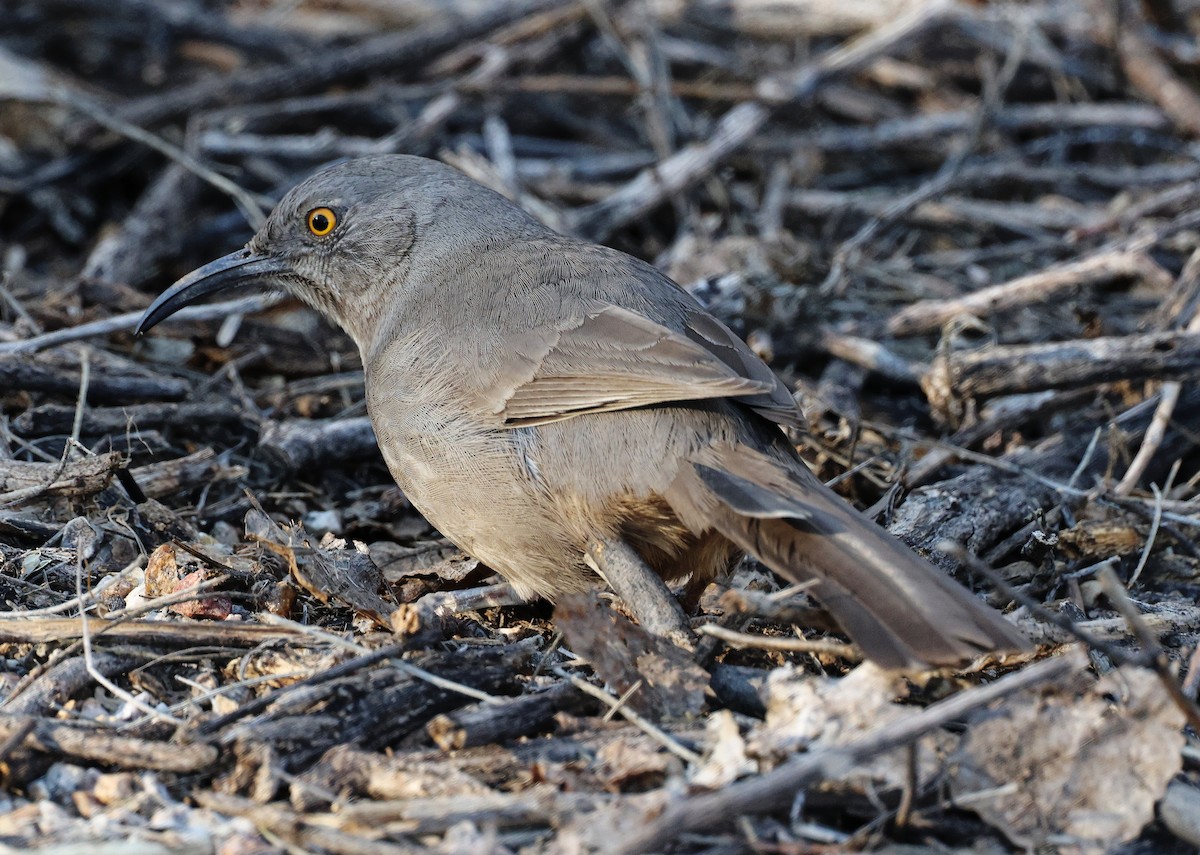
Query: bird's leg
[{"x": 644, "y": 592}]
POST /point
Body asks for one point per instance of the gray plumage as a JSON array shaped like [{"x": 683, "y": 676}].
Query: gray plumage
[{"x": 532, "y": 392}]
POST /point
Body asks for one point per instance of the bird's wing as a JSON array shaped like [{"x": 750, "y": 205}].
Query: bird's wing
[{"x": 611, "y": 358}]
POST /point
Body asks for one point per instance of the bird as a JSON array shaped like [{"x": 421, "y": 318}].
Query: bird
[{"x": 556, "y": 408}]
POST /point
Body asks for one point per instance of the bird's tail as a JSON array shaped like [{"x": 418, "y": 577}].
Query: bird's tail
[{"x": 900, "y": 609}]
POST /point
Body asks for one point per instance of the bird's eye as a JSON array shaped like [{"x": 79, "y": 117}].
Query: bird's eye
[{"x": 321, "y": 221}]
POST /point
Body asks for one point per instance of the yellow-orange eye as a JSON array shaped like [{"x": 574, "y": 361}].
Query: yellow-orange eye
[{"x": 321, "y": 221}]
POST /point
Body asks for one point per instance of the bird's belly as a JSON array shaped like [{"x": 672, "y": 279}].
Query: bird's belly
[
  {"x": 527, "y": 501},
  {"x": 474, "y": 487},
  {"x": 464, "y": 486}
]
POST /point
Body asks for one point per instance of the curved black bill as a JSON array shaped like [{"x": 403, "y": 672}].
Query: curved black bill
[{"x": 238, "y": 268}]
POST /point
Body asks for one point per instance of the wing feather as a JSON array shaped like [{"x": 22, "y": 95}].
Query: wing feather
[{"x": 611, "y": 358}]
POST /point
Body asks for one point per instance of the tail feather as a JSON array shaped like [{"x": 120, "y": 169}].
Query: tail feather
[{"x": 899, "y": 608}]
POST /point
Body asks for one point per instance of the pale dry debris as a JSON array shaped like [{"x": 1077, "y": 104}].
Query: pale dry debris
[
  {"x": 628, "y": 758},
  {"x": 279, "y": 666},
  {"x": 725, "y": 760},
  {"x": 810, "y": 712},
  {"x": 395, "y": 778},
  {"x": 696, "y": 257},
  {"x": 619, "y": 819},
  {"x": 1069, "y": 763},
  {"x": 466, "y": 838}
]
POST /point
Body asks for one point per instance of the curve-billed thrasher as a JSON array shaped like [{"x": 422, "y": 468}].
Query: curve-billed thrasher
[{"x": 555, "y": 407}]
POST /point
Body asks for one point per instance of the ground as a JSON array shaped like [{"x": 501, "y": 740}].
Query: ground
[{"x": 964, "y": 234}]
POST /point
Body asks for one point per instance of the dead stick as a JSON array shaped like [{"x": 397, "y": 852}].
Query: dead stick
[
  {"x": 293, "y": 828},
  {"x": 495, "y": 724},
  {"x": 740, "y": 640},
  {"x": 743, "y": 122},
  {"x": 1096, "y": 269},
  {"x": 1168, "y": 399},
  {"x": 103, "y": 746},
  {"x": 871, "y": 355},
  {"x": 776, "y": 789},
  {"x": 1092, "y": 642},
  {"x": 55, "y": 418},
  {"x": 21, "y": 372},
  {"x": 125, "y": 323},
  {"x": 1153, "y": 77},
  {"x": 165, "y": 633},
  {"x": 407, "y": 49},
  {"x": 1007, "y": 369},
  {"x": 1116, "y": 594},
  {"x": 299, "y": 444}
]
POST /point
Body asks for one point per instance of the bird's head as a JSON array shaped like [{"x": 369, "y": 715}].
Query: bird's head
[{"x": 344, "y": 240}]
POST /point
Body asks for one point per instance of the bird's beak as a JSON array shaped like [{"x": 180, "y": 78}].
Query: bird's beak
[{"x": 244, "y": 267}]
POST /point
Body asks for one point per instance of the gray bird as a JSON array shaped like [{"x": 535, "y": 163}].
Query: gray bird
[{"x": 554, "y": 407}]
